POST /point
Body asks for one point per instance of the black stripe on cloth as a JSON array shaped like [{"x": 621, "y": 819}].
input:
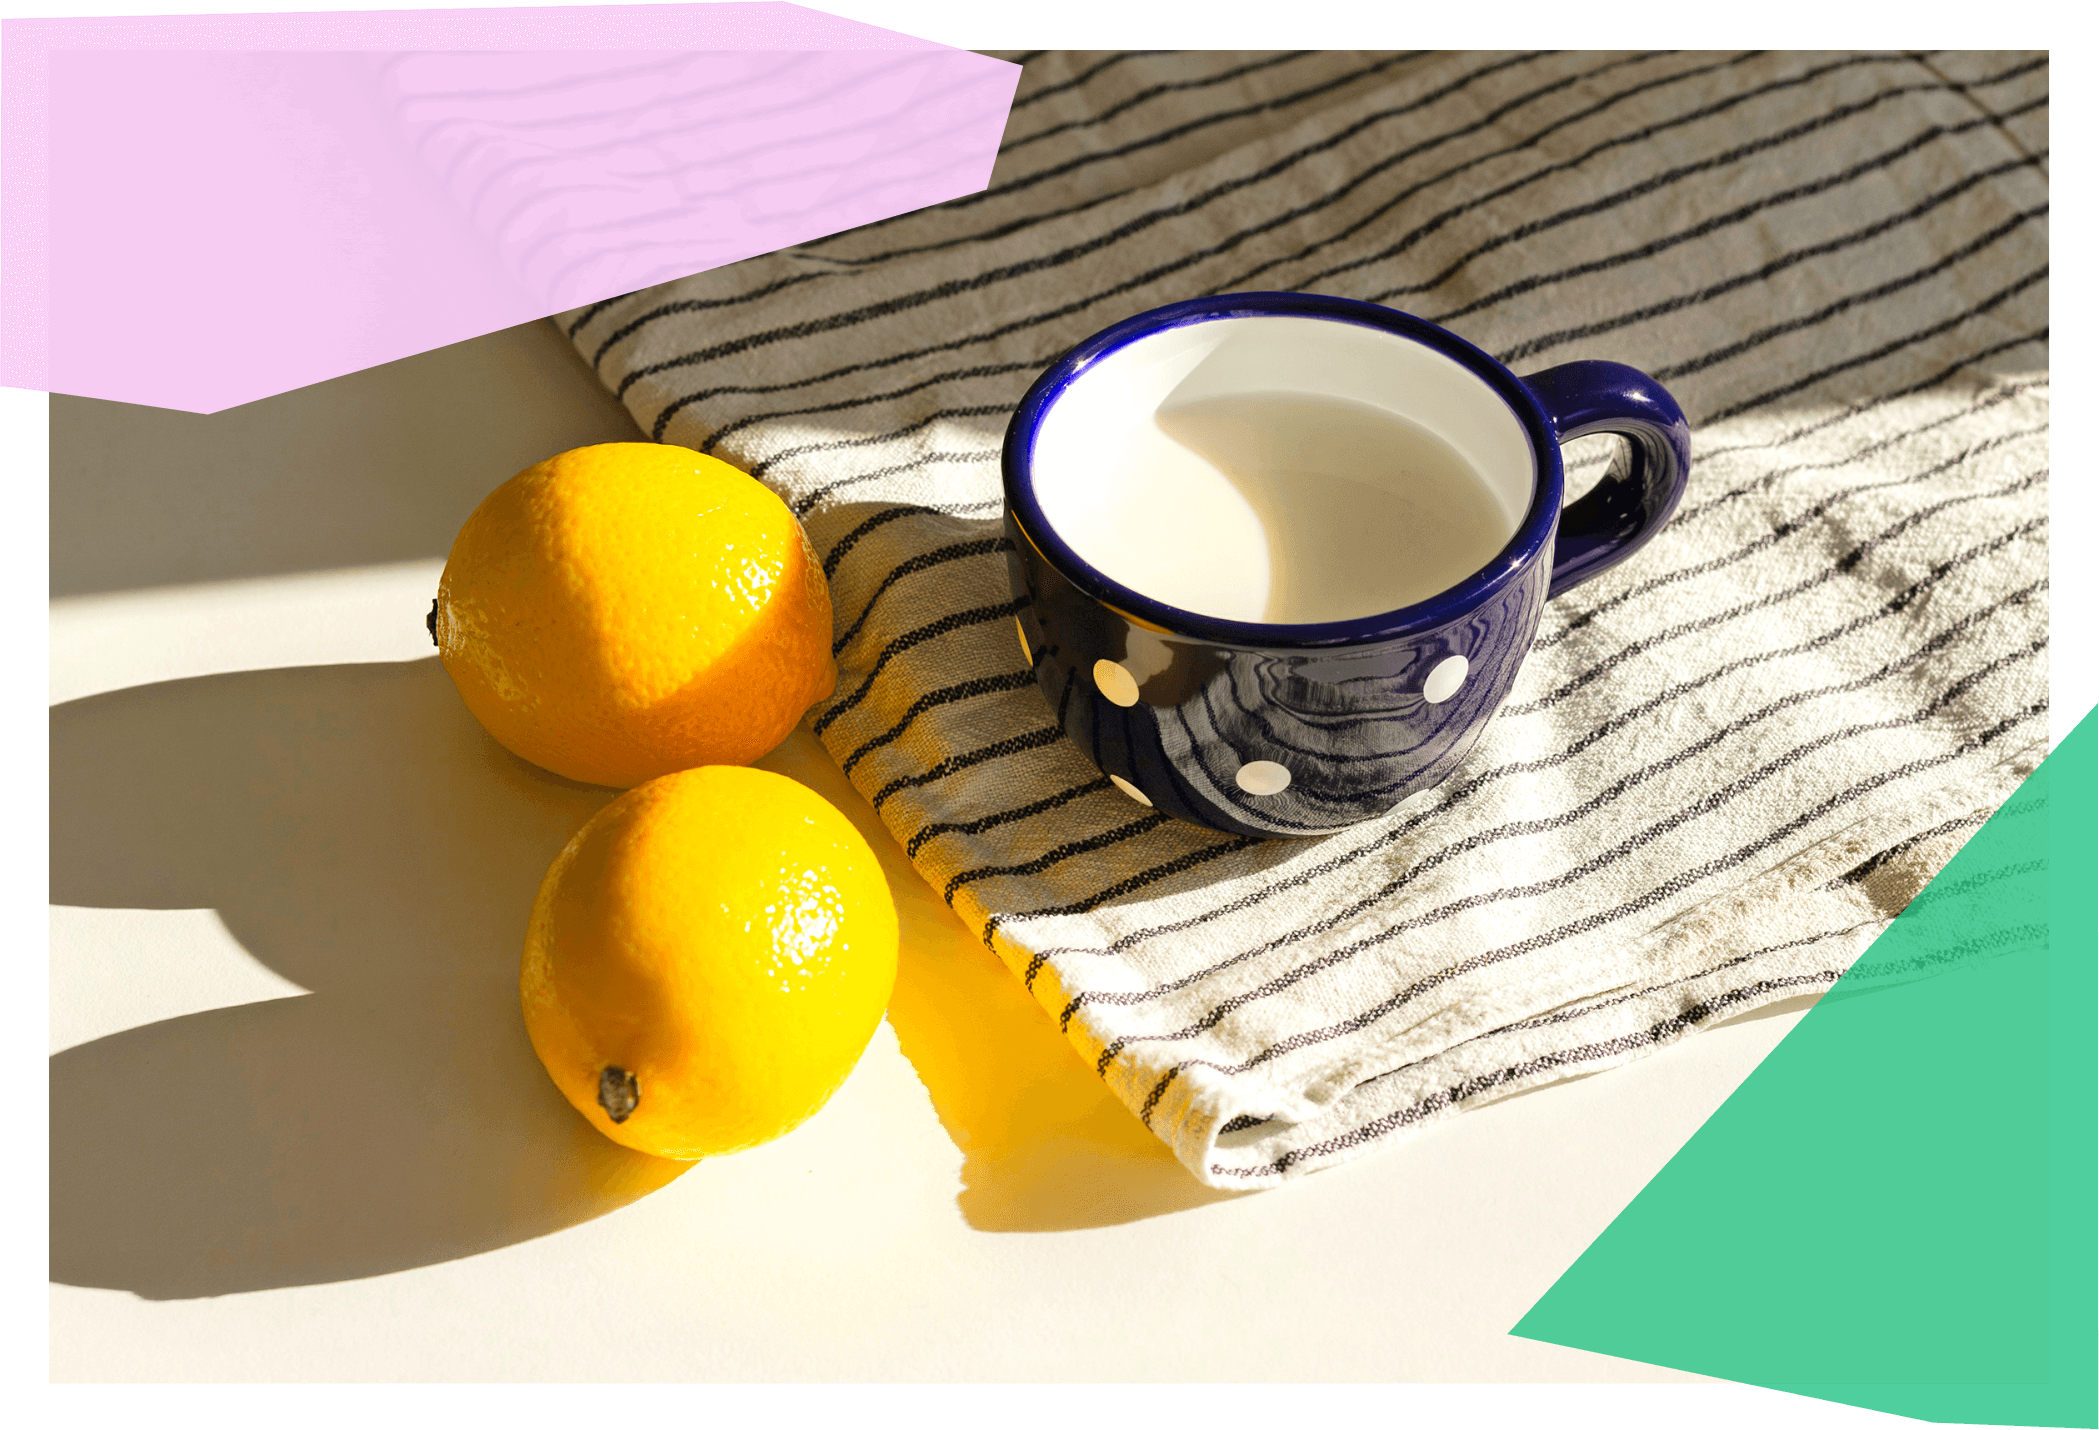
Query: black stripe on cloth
[
  {"x": 1639, "y": 189},
  {"x": 1997, "y": 299},
  {"x": 1012, "y": 745},
  {"x": 1520, "y": 828},
  {"x": 1763, "y": 481},
  {"x": 1527, "y": 142},
  {"x": 1022, "y": 267},
  {"x": 1639, "y": 136},
  {"x": 967, "y": 374},
  {"x": 947, "y": 695},
  {"x": 1588, "y": 923},
  {"x": 1037, "y": 96},
  {"x": 1553, "y": 87},
  {"x": 1594, "y": 1006},
  {"x": 1474, "y": 783},
  {"x": 1790, "y": 526},
  {"x": 896, "y": 513},
  {"x": 1894, "y": 605},
  {"x": 1140, "y": 825},
  {"x": 1924, "y": 59},
  {"x": 1784, "y": 261},
  {"x": 1859, "y": 409},
  {"x": 1848, "y": 562},
  {"x": 924, "y": 561},
  {"x": 593, "y": 310},
  {"x": 954, "y": 621},
  {"x": 904, "y": 302},
  {"x": 1866, "y": 870},
  {"x": 1885, "y": 159},
  {"x": 692, "y": 305},
  {"x": 1972, "y": 820},
  {"x": 1569, "y": 1057},
  {"x": 808, "y": 501},
  {"x": 1851, "y": 300},
  {"x": 991, "y": 821},
  {"x": 1152, "y": 92},
  {"x": 770, "y": 460},
  {"x": 1222, "y": 116},
  {"x": 1967, "y": 87},
  {"x": 1842, "y": 567},
  {"x": 1231, "y": 844},
  {"x": 852, "y": 538}
]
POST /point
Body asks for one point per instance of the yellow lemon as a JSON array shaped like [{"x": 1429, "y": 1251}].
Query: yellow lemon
[
  {"x": 622, "y": 611},
  {"x": 706, "y": 961}
]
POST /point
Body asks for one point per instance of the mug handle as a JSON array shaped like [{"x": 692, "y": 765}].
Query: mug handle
[{"x": 1623, "y": 511}]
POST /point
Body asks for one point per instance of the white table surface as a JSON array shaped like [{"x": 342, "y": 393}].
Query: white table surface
[{"x": 298, "y": 1134}]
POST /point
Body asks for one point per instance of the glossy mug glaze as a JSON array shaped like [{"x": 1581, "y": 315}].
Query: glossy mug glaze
[{"x": 1291, "y": 730}]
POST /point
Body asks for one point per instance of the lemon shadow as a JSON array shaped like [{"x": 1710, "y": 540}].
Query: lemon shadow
[
  {"x": 1046, "y": 1146},
  {"x": 359, "y": 834}
]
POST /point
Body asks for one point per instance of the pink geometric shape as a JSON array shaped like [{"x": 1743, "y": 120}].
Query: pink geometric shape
[{"x": 205, "y": 210}]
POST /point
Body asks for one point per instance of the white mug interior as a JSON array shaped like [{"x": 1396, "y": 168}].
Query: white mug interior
[{"x": 1117, "y": 477}]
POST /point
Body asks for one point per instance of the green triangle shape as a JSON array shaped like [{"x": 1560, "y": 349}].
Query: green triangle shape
[{"x": 1896, "y": 1209}]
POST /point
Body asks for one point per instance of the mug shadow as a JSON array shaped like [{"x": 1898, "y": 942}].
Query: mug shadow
[
  {"x": 359, "y": 834},
  {"x": 1046, "y": 1146}
]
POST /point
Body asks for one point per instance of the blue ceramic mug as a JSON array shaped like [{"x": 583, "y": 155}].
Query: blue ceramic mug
[{"x": 1281, "y": 555}]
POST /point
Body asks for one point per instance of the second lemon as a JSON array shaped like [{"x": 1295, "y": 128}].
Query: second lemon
[
  {"x": 622, "y": 611},
  {"x": 706, "y": 961}
]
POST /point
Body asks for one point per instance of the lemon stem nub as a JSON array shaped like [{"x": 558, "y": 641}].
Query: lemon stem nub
[
  {"x": 431, "y": 621},
  {"x": 618, "y": 1093}
]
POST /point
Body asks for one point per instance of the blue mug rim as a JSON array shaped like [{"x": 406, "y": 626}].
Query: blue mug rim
[{"x": 1532, "y": 535}]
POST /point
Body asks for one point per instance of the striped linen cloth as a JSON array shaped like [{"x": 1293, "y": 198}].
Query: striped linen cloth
[{"x": 1726, "y": 764}]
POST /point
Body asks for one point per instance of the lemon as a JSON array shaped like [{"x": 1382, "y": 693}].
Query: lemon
[
  {"x": 622, "y": 611},
  {"x": 707, "y": 960}
]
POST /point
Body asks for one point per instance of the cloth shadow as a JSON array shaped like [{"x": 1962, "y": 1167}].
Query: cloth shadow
[
  {"x": 359, "y": 834},
  {"x": 1046, "y": 1146}
]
